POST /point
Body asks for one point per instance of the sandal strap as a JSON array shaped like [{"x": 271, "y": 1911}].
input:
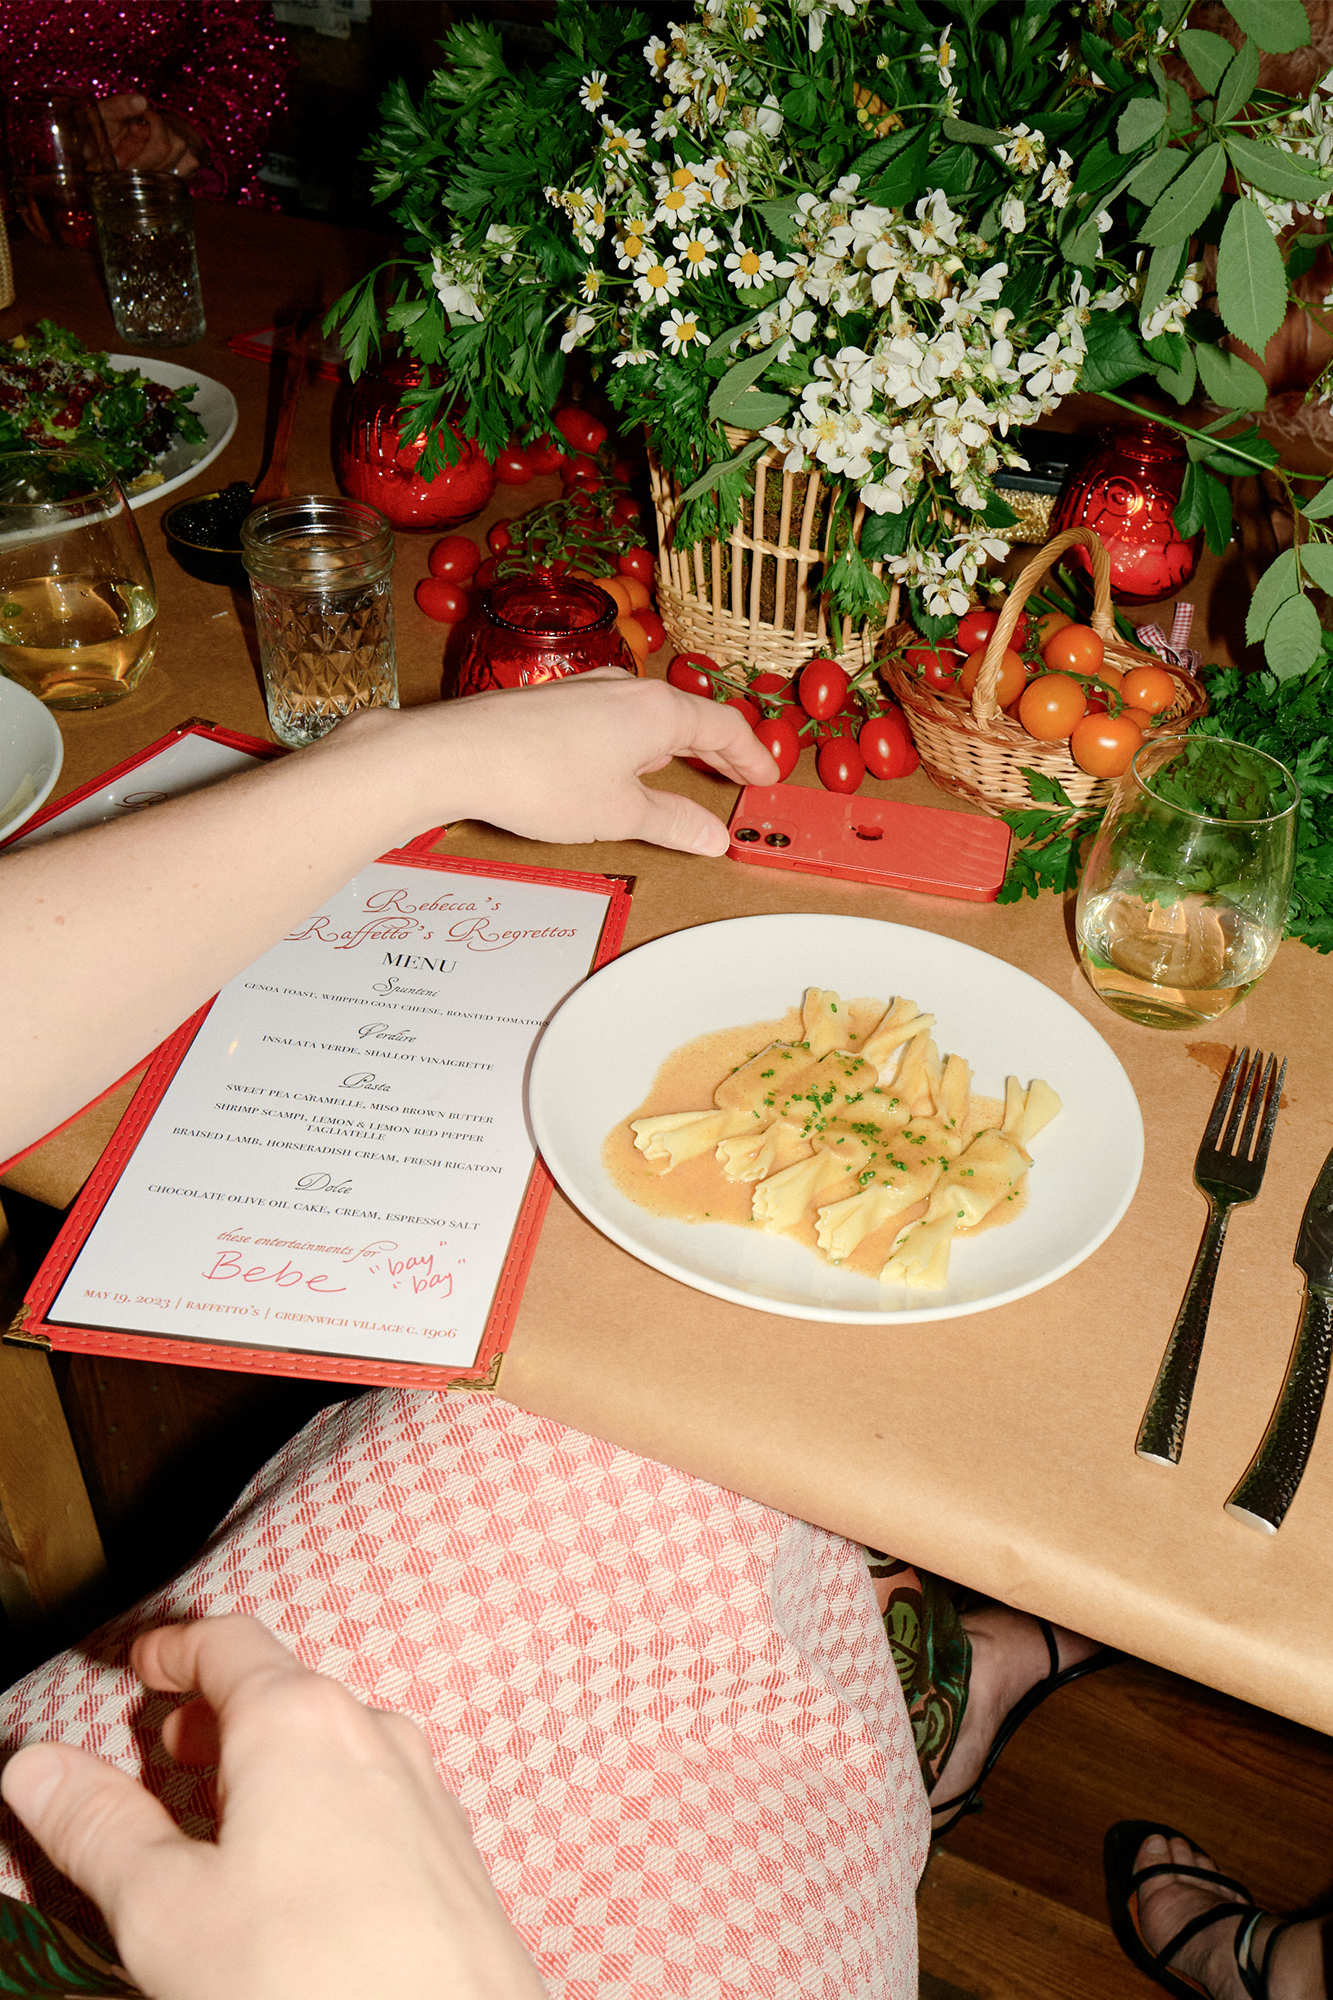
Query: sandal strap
[
  {"x": 1209, "y": 1875},
  {"x": 1254, "y": 1978},
  {"x": 1053, "y": 1651},
  {"x": 1204, "y": 1921}
]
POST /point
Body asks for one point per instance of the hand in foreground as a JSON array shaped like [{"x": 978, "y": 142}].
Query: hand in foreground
[
  {"x": 342, "y": 1867},
  {"x": 562, "y": 761},
  {"x": 143, "y": 136}
]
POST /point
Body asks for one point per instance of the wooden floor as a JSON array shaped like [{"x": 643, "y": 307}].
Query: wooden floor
[{"x": 1012, "y": 1906}]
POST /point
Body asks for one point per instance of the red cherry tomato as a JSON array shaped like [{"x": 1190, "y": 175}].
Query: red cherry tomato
[
  {"x": 845, "y": 723},
  {"x": 886, "y": 744},
  {"x": 513, "y": 467},
  {"x": 498, "y": 538},
  {"x": 693, "y": 673},
  {"x": 745, "y": 707},
  {"x": 976, "y": 626},
  {"x": 637, "y": 562},
  {"x": 455, "y": 558},
  {"x": 487, "y": 574},
  {"x": 1102, "y": 745},
  {"x": 442, "y": 600},
  {"x": 1010, "y": 682},
  {"x": 773, "y": 692},
  {"x": 653, "y": 626},
  {"x": 580, "y": 428},
  {"x": 778, "y": 735},
  {"x": 1049, "y": 707},
  {"x": 544, "y": 455},
  {"x": 840, "y": 765},
  {"x": 822, "y": 690},
  {"x": 938, "y": 667},
  {"x": 580, "y": 475},
  {"x": 626, "y": 513}
]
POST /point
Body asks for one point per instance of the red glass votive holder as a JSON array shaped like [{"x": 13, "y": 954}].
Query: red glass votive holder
[
  {"x": 540, "y": 628},
  {"x": 1126, "y": 492},
  {"x": 374, "y": 465}
]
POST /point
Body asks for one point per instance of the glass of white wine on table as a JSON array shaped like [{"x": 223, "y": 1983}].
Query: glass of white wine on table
[
  {"x": 78, "y": 608},
  {"x": 1184, "y": 895}
]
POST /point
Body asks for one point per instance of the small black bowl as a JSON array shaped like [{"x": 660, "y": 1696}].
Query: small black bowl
[{"x": 204, "y": 534}]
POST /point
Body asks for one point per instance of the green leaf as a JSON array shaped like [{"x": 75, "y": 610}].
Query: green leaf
[
  {"x": 878, "y": 155},
  {"x": 1188, "y": 201},
  {"x": 1192, "y": 506},
  {"x": 1217, "y": 519},
  {"x": 1317, "y": 562},
  {"x": 780, "y": 217},
  {"x": 1156, "y": 175},
  {"x": 715, "y": 473},
  {"x": 1278, "y": 582},
  {"x": 1230, "y": 381},
  {"x": 1114, "y": 355},
  {"x": 1302, "y": 254},
  {"x": 1321, "y": 506},
  {"x": 1208, "y": 55},
  {"x": 905, "y": 178},
  {"x": 1178, "y": 382},
  {"x": 972, "y": 135},
  {"x": 1237, "y": 86},
  {"x": 1277, "y": 173},
  {"x": 1291, "y": 643},
  {"x": 1141, "y": 120},
  {"x": 1164, "y": 267},
  {"x": 737, "y": 382},
  {"x": 884, "y": 534},
  {"x": 1251, "y": 280},
  {"x": 1276, "y": 25}
]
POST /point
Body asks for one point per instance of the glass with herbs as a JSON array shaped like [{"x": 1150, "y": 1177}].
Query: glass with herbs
[{"x": 1184, "y": 896}]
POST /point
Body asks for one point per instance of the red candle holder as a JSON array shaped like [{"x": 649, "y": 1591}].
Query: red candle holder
[
  {"x": 540, "y": 628},
  {"x": 1126, "y": 492},
  {"x": 373, "y": 464}
]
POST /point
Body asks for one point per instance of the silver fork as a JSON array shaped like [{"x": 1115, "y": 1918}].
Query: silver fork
[{"x": 1226, "y": 1173}]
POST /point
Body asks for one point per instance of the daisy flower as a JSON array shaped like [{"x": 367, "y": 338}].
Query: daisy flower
[
  {"x": 749, "y": 22},
  {"x": 578, "y": 326},
  {"x": 656, "y": 54},
  {"x": 658, "y": 279},
  {"x": 591, "y": 283},
  {"x": 625, "y": 148},
  {"x": 750, "y": 267},
  {"x": 678, "y": 203},
  {"x": 632, "y": 240},
  {"x": 681, "y": 331},
  {"x": 696, "y": 248},
  {"x": 631, "y": 357},
  {"x": 592, "y": 91},
  {"x": 942, "y": 57}
]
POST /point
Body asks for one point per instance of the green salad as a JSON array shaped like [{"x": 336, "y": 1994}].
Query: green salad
[{"x": 56, "y": 391}]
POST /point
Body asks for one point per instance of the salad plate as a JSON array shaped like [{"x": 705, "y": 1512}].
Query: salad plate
[
  {"x": 597, "y": 1059},
  {"x": 212, "y": 403},
  {"x": 31, "y": 753}
]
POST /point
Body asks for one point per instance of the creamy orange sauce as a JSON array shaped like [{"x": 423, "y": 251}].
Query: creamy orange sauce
[{"x": 698, "y": 1191}]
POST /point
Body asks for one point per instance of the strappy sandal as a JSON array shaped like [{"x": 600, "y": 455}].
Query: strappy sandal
[
  {"x": 1123, "y": 1882},
  {"x": 970, "y": 1801}
]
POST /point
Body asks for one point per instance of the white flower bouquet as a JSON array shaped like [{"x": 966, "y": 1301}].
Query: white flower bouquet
[{"x": 876, "y": 237}]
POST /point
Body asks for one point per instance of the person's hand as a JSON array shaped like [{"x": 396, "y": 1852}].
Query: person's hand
[
  {"x": 562, "y": 761},
  {"x": 142, "y": 135},
  {"x": 342, "y": 1866}
]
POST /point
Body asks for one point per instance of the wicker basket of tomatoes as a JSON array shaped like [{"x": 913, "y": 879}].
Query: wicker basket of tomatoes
[{"x": 1074, "y": 704}]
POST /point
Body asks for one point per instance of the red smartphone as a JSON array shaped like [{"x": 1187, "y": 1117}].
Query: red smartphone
[{"x": 894, "y": 845}]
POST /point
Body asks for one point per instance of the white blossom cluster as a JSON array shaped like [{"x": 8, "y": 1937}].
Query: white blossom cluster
[{"x": 1306, "y": 133}]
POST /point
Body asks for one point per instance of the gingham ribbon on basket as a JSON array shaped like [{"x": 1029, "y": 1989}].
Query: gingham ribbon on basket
[{"x": 1176, "y": 650}]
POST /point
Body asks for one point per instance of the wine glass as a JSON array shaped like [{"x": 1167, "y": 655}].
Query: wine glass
[
  {"x": 56, "y": 140},
  {"x": 78, "y": 608},
  {"x": 1184, "y": 895}
]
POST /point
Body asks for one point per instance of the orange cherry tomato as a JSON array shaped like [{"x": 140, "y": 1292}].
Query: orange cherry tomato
[
  {"x": 1149, "y": 687},
  {"x": 614, "y": 586},
  {"x": 1074, "y": 649},
  {"x": 1140, "y": 718},
  {"x": 640, "y": 597},
  {"x": 1102, "y": 745},
  {"x": 1010, "y": 682},
  {"x": 635, "y": 638},
  {"x": 1049, "y": 707},
  {"x": 1053, "y": 622},
  {"x": 1110, "y": 676}
]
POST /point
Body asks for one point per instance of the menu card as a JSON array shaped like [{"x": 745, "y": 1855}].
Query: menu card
[{"x": 328, "y": 1170}]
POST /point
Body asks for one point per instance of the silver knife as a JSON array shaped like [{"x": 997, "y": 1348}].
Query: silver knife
[{"x": 1277, "y": 1468}]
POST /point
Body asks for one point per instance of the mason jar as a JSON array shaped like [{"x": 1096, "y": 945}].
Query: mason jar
[{"x": 145, "y": 231}]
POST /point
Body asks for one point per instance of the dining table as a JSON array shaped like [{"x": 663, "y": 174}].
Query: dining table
[{"x": 995, "y": 1448}]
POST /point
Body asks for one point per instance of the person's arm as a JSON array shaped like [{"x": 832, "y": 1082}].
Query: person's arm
[
  {"x": 111, "y": 938},
  {"x": 342, "y": 1866}
]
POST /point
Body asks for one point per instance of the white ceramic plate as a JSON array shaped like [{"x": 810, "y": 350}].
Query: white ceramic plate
[
  {"x": 31, "y": 753},
  {"x": 598, "y": 1057},
  {"x": 214, "y": 405}
]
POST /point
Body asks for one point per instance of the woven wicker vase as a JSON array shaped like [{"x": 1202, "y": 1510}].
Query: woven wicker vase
[
  {"x": 756, "y": 597},
  {"x": 974, "y": 749}
]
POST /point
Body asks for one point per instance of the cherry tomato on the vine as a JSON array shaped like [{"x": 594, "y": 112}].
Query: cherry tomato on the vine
[
  {"x": 938, "y": 667},
  {"x": 626, "y": 513},
  {"x": 580, "y": 475},
  {"x": 822, "y": 690},
  {"x": 455, "y": 558},
  {"x": 778, "y": 735},
  {"x": 744, "y": 707},
  {"x": 975, "y": 628},
  {"x": 840, "y": 765},
  {"x": 442, "y": 600},
  {"x": 1049, "y": 707},
  {"x": 637, "y": 562},
  {"x": 513, "y": 467},
  {"x": 1050, "y": 624},
  {"x": 693, "y": 673},
  {"x": 886, "y": 744},
  {"x": 487, "y": 574},
  {"x": 544, "y": 456},
  {"x": 772, "y": 691},
  {"x": 652, "y": 625},
  {"x": 498, "y": 538},
  {"x": 1010, "y": 682},
  {"x": 1140, "y": 717},
  {"x": 1102, "y": 745},
  {"x": 580, "y": 428},
  {"x": 1074, "y": 649},
  {"x": 845, "y": 723},
  {"x": 1149, "y": 687}
]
